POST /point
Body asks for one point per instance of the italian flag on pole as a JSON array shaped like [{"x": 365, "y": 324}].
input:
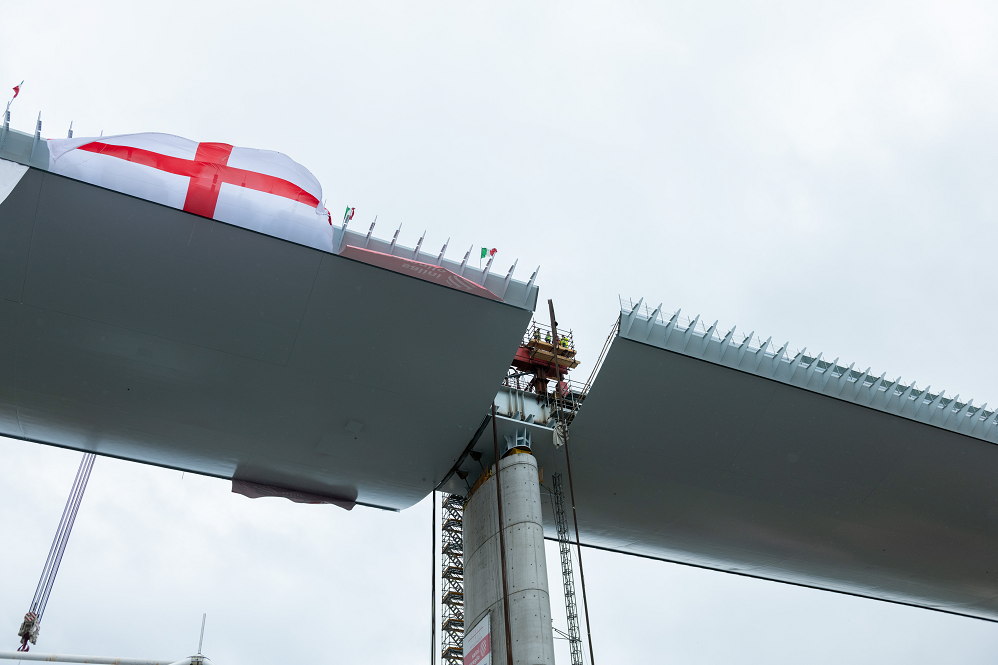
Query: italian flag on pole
[{"x": 486, "y": 252}]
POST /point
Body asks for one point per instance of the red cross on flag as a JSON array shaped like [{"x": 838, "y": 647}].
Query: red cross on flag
[{"x": 260, "y": 190}]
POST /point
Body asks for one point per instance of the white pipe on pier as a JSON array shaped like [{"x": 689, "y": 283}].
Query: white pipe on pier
[{"x": 98, "y": 660}]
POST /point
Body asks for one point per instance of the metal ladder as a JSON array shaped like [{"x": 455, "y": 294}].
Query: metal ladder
[{"x": 571, "y": 610}]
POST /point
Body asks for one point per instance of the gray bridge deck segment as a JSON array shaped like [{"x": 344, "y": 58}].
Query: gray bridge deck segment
[
  {"x": 138, "y": 331},
  {"x": 679, "y": 457},
  {"x": 683, "y": 459}
]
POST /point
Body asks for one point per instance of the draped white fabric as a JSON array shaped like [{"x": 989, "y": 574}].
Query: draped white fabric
[{"x": 260, "y": 190}]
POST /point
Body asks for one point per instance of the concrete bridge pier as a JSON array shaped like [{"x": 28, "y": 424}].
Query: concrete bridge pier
[{"x": 526, "y": 571}]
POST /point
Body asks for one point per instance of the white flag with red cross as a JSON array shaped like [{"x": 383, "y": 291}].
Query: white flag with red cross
[{"x": 260, "y": 190}]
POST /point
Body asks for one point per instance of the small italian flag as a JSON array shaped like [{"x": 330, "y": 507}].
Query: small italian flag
[
  {"x": 348, "y": 215},
  {"x": 488, "y": 252}
]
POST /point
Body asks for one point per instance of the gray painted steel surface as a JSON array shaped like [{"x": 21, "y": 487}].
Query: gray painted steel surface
[
  {"x": 139, "y": 331},
  {"x": 677, "y": 456},
  {"x": 526, "y": 565},
  {"x": 135, "y": 330},
  {"x": 686, "y": 460},
  {"x": 805, "y": 371}
]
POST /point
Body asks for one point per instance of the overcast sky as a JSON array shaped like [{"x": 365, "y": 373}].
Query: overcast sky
[{"x": 822, "y": 173}]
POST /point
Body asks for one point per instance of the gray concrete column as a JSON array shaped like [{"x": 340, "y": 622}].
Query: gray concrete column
[{"x": 526, "y": 570}]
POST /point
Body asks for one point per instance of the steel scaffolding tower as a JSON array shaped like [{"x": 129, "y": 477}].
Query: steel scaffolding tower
[
  {"x": 571, "y": 611},
  {"x": 452, "y": 579}
]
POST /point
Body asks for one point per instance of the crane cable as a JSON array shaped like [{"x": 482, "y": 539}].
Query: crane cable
[
  {"x": 28, "y": 631},
  {"x": 562, "y": 425}
]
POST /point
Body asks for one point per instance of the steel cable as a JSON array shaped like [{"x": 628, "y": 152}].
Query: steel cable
[{"x": 86, "y": 466}]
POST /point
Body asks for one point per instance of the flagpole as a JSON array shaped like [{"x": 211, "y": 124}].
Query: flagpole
[
  {"x": 17, "y": 91},
  {"x": 6, "y": 114}
]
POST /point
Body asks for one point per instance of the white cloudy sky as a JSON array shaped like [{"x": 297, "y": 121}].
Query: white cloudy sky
[{"x": 821, "y": 172}]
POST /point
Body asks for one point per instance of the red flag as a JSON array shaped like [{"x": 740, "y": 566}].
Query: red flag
[
  {"x": 17, "y": 90},
  {"x": 492, "y": 252}
]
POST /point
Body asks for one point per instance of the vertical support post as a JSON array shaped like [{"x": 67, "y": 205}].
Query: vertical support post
[
  {"x": 578, "y": 547},
  {"x": 6, "y": 124},
  {"x": 433, "y": 579},
  {"x": 502, "y": 542},
  {"x": 37, "y": 138}
]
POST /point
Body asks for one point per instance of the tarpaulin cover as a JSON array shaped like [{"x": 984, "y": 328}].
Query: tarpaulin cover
[
  {"x": 259, "y": 491},
  {"x": 419, "y": 270},
  {"x": 260, "y": 190}
]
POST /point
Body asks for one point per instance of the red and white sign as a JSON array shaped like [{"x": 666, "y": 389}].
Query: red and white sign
[
  {"x": 260, "y": 190},
  {"x": 478, "y": 644},
  {"x": 419, "y": 270}
]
